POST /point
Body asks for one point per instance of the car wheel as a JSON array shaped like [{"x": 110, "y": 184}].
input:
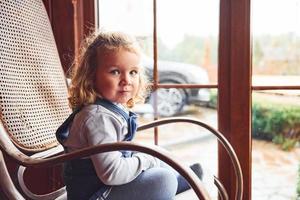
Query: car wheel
[{"x": 169, "y": 101}]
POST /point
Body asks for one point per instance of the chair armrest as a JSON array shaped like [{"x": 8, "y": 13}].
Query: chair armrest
[
  {"x": 6, "y": 183},
  {"x": 192, "y": 179},
  {"x": 186, "y": 172}
]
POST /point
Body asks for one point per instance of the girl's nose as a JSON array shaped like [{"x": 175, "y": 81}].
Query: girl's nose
[{"x": 125, "y": 79}]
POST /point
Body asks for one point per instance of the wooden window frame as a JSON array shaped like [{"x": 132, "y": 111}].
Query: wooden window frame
[{"x": 233, "y": 75}]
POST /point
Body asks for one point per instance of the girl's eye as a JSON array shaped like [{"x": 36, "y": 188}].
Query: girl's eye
[
  {"x": 133, "y": 72},
  {"x": 115, "y": 72}
]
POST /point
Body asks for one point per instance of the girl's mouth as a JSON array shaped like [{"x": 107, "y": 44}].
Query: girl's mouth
[{"x": 124, "y": 91}]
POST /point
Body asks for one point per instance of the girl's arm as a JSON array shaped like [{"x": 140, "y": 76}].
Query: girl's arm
[{"x": 111, "y": 167}]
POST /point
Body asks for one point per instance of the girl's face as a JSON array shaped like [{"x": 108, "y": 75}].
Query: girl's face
[{"x": 117, "y": 75}]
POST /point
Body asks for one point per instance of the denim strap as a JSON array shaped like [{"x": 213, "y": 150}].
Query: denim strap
[{"x": 130, "y": 118}]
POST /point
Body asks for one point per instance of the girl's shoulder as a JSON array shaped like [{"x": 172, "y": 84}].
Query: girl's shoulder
[{"x": 94, "y": 111}]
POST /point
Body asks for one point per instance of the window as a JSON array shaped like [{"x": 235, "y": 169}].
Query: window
[
  {"x": 276, "y": 95},
  {"x": 181, "y": 60}
]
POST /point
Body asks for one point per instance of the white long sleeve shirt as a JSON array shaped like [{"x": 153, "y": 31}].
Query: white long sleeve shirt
[{"x": 94, "y": 125}]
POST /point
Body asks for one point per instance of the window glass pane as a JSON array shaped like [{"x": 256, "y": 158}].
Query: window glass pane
[
  {"x": 190, "y": 143},
  {"x": 188, "y": 33},
  {"x": 275, "y": 144},
  {"x": 187, "y": 54},
  {"x": 134, "y": 17},
  {"x": 276, "y": 42},
  {"x": 206, "y": 110}
]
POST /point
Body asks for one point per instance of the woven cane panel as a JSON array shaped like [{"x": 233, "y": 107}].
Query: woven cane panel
[{"x": 33, "y": 92}]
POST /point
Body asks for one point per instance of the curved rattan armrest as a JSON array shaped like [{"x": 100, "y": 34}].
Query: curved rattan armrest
[
  {"x": 154, "y": 151},
  {"x": 195, "y": 183},
  {"x": 9, "y": 148},
  {"x": 9, "y": 190},
  {"x": 225, "y": 143}
]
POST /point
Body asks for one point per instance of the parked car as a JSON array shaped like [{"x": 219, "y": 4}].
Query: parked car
[{"x": 171, "y": 101}]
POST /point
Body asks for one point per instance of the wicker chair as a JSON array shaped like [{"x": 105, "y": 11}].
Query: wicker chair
[{"x": 33, "y": 102}]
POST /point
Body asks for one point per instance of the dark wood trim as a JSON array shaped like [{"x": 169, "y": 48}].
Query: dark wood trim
[
  {"x": 71, "y": 21},
  {"x": 155, "y": 71},
  {"x": 63, "y": 29},
  {"x": 273, "y": 87},
  {"x": 83, "y": 22},
  {"x": 185, "y": 86},
  {"x": 89, "y": 21},
  {"x": 235, "y": 91},
  {"x": 48, "y": 7},
  {"x": 77, "y": 24}
]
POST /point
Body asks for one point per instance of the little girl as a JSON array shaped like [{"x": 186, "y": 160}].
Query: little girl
[{"x": 107, "y": 80}]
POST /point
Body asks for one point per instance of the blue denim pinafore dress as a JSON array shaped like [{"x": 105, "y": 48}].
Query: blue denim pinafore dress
[{"x": 82, "y": 182}]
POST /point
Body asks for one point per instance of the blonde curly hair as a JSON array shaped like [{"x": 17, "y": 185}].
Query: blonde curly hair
[{"x": 81, "y": 90}]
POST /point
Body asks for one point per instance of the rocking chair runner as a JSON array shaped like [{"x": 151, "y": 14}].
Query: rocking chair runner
[{"x": 33, "y": 102}]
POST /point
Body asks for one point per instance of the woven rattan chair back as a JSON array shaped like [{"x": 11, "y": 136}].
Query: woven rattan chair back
[{"x": 33, "y": 90}]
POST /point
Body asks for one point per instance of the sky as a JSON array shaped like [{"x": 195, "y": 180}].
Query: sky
[
  {"x": 136, "y": 17},
  {"x": 281, "y": 17}
]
